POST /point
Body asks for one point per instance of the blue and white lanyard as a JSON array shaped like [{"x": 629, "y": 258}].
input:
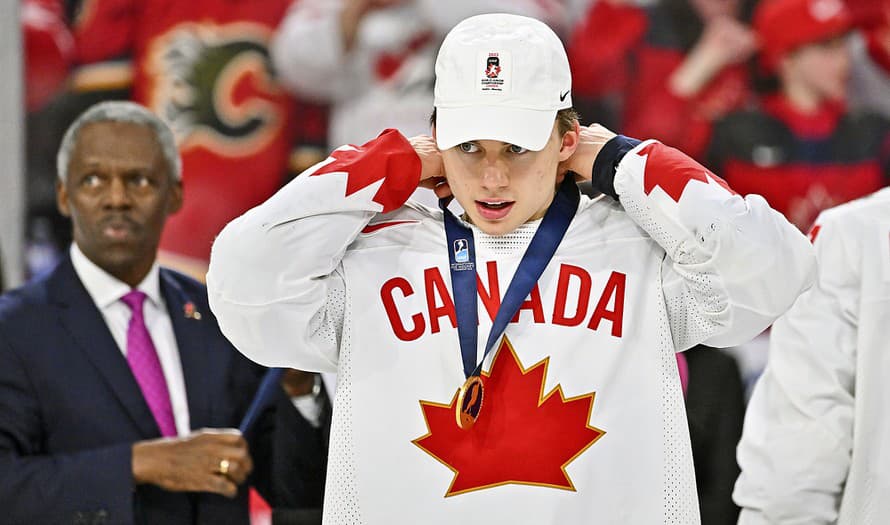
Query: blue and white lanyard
[{"x": 462, "y": 258}]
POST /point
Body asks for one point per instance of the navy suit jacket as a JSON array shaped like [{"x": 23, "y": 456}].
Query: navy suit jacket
[{"x": 70, "y": 409}]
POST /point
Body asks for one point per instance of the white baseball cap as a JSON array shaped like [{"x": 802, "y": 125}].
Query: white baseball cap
[{"x": 500, "y": 77}]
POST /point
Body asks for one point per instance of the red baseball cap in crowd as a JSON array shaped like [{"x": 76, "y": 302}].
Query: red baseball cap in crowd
[
  {"x": 784, "y": 25},
  {"x": 868, "y": 14}
]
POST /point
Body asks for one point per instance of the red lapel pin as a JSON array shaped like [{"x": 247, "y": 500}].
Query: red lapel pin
[{"x": 190, "y": 311}]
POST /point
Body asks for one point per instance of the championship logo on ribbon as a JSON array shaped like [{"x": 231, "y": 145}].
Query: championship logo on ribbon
[{"x": 461, "y": 251}]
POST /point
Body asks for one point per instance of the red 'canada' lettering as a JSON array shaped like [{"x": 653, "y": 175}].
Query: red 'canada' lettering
[
  {"x": 566, "y": 272},
  {"x": 389, "y": 303},
  {"x": 533, "y": 303},
  {"x": 563, "y": 311},
  {"x": 614, "y": 289}
]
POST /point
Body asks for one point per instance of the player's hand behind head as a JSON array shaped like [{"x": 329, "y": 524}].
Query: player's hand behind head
[
  {"x": 590, "y": 141},
  {"x": 432, "y": 174}
]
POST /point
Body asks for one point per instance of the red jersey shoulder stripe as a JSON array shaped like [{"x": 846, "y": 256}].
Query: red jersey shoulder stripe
[{"x": 371, "y": 228}]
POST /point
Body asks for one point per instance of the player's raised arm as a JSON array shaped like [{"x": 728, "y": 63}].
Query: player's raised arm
[
  {"x": 734, "y": 264},
  {"x": 261, "y": 303}
]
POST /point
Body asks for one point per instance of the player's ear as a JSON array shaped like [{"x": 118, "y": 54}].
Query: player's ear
[{"x": 570, "y": 141}]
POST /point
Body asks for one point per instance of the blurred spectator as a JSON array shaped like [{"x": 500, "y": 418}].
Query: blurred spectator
[
  {"x": 869, "y": 82},
  {"x": 666, "y": 70},
  {"x": 373, "y": 59},
  {"x": 873, "y": 18},
  {"x": 802, "y": 149},
  {"x": 48, "y": 52},
  {"x": 49, "y": 48},
  {"x": 204, "y": 68},
  {"x": 871, "y": 55},
  {"x": 816, "y": 435}
]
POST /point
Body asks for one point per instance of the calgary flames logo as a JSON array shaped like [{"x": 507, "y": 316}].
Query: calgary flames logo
[
  {"x": 522, "y": 436},
  {"x": 214, "y": 87}
]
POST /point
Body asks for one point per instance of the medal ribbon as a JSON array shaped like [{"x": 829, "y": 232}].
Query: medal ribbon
[{"x": 462, "y": 258}]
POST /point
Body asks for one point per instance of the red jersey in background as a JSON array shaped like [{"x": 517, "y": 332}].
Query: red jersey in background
[{"x": 802, "y": 164}]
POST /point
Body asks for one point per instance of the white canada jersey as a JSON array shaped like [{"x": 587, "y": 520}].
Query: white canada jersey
[{"x": 583, "y": 418}]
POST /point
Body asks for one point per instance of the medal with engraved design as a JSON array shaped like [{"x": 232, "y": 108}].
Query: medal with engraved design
[{"x": 469, "y": 402}]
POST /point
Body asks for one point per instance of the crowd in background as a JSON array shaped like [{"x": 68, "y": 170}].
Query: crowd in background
[
  {"x": 255, "y": 94},
  {"x": 787, "y": 99}
]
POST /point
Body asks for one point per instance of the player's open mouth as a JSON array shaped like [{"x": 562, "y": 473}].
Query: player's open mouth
[{"x": 494, "y": 209}]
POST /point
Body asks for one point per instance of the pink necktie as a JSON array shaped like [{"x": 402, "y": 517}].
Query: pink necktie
[{"x": 143, "y": 360}]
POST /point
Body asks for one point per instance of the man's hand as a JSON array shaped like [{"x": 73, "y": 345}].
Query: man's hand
[
  {"x": 194, "y": 463},
  {"x": 591, "y": 140},
  {"x": 432, "y": 174}
]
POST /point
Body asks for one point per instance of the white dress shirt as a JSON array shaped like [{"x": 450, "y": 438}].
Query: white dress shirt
[{"x": 106, "y": 292}]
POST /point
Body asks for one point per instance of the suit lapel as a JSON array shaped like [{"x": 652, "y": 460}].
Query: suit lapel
[
  {"x": 83, "y": 321},
  {"x": 190, "y": 330}
]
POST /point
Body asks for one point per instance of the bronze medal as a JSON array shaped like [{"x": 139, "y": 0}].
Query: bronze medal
[{"x": 469, "y": 402}]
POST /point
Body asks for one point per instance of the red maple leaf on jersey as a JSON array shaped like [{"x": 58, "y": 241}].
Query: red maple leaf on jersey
[
  {"x": 521, "y": 436},
  {"x": 672, "y": 170},
  {"x": 389, "y": 157}
]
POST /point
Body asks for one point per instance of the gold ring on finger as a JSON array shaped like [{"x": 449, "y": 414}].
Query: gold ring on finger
[{"x": 224, "y": 467}]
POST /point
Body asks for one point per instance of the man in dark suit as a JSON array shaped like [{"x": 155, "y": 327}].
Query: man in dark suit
[{"x": 109, "y": 363}]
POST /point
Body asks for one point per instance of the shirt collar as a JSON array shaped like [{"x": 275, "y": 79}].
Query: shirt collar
[{"x": 105, "y": 289}]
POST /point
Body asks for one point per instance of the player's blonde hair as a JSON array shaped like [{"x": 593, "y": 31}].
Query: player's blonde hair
[{"x": 566, "y": 120}]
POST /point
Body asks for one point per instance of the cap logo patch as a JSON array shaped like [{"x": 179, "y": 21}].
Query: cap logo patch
[
  {"x": 494, "y": 72},
  {"x": 493, "y": 67}
]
